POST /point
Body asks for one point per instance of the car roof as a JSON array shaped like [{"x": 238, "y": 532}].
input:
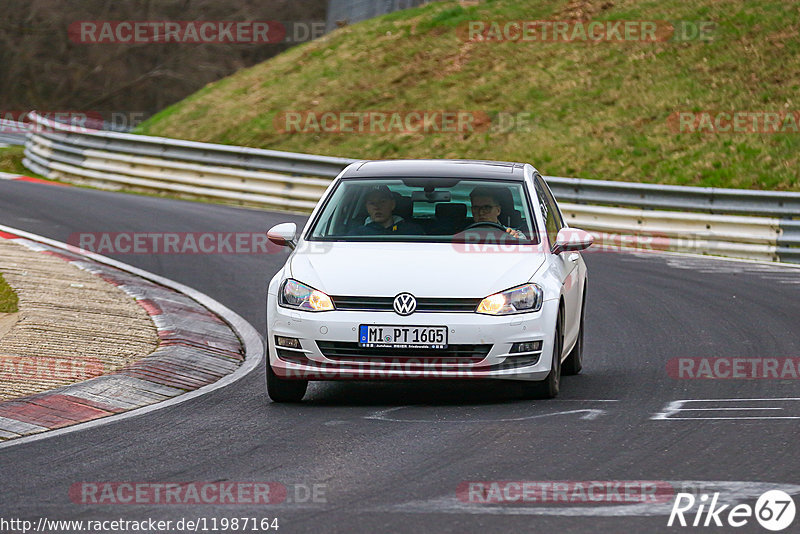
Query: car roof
[{"x": 437, "y": 168}]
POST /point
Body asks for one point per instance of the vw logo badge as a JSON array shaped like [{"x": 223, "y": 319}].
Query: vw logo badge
[{"x": 404, "y": 304}]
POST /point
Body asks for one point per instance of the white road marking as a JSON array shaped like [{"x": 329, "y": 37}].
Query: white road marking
[
  {"x": 679, "y": 407},
  {"x": 775, "y": 272},
  {"x": 723, "y": 409},
  {"x": 384, "y": 415}
]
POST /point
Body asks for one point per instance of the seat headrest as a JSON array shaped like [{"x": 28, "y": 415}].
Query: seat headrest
[
  {"x": 403, "y": 206},
  {"x": 513, "y": 219},
  {"x": 451, "y": 210}
]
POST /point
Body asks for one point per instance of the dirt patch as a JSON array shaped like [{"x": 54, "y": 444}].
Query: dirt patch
[
  {"x": 7, "y": 321},
  {"x": 584, "y": 10}
]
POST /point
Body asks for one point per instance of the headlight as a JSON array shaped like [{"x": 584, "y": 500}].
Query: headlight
[
  {"x": 293, "y": 294},
  {"x": 522, "y": 299}
]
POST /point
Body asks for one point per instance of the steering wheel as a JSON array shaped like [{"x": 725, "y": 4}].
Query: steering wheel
[{"x": 496, "y": 226}]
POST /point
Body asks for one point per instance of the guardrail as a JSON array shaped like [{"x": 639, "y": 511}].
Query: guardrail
[
  {"x": 12, "y": 132},
  {"x": 677, "y": 197},
  {"x": 737, "y": 223}
]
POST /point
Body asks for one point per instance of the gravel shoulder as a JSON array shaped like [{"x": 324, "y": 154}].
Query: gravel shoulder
[
  {"x": 96, "y": 340},
  {"x": 71, "y": 326}
]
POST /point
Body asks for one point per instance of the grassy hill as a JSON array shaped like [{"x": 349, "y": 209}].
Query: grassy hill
[{"x": 596, "y": 109}]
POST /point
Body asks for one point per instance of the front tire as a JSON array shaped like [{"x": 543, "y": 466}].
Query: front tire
[
  {"x": 549, "y": 387},
  {"x": 282, "y": 390}
]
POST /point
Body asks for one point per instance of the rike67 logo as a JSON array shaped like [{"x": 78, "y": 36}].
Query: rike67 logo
[{"x": 774, "y": 510}]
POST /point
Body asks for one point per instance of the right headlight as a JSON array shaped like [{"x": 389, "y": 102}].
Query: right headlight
[
  {"x": 521, "y": 299},
  {"x": 294, "y": 294}
]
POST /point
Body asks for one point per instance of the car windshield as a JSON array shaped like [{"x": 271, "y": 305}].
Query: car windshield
[{"x": 425, "y": 210}]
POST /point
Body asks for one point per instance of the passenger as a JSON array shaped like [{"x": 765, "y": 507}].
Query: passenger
[
  {"x": 382, "y": 220},
  {"x": 486, "y": 208}
]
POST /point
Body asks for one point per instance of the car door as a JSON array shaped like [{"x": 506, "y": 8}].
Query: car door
[{"x": 565, "y": 264}]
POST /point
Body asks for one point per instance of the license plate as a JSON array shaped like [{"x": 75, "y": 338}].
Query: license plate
[{"x": 402, "y": 337}]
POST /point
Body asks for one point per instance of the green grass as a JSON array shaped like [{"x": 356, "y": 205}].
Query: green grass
[
  {"x": 11, "y": 160},
  {"x": 597, "y": 110},
  {"x": 8, "y": 299}
]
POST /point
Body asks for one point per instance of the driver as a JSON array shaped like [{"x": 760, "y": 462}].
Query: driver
[
  {"x": 382, "y": 220},
  {"x": 486, "y": 209}
]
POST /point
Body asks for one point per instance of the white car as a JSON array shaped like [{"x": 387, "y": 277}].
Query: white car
[{"x": 428, "y": 269}]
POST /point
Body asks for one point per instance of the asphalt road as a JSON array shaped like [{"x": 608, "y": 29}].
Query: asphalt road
[{"x": 390, "y": 455}]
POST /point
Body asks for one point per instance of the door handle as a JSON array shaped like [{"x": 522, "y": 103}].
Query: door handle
[{"x": 574, "y": 257}]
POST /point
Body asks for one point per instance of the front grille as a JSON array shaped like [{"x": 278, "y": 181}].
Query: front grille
[
  {"x": 424, "y": 304},
  {"x": 347, "y": 351}
]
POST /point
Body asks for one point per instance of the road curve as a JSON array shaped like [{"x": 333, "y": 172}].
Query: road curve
[
  {"x": 392, "y": 455},
  {"x": 228, "y": 349}
]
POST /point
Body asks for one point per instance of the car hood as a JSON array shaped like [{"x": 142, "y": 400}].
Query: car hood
[{"x": 422, "y": 269}]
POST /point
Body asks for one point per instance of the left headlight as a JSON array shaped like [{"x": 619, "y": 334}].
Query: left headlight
[
  {"x": 294, "y": 294},
  {"x": 522, "y": 299}
]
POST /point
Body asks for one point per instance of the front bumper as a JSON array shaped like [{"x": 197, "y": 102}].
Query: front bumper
[{"x": 497, "y": 334}]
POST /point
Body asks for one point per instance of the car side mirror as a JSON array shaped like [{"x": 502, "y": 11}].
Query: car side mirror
[
  {"x": 283, "y": 234},
  {"x": 572, "y": 239}
]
